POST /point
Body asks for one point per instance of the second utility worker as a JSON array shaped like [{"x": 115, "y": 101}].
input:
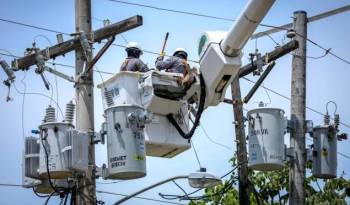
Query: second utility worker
[
  {"x": 133, "y": 61},
  {"x": 174, "y": 64}
]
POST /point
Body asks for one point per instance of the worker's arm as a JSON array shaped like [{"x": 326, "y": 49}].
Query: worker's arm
[
  {"x": 164, "y": 65},
  {"x": 142, "y": 66}
]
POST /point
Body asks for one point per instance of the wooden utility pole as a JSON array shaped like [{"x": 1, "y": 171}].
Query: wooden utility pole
[
  {"x": 85, "y": 100},
  {"x": 242, "y": 161},
  {"x": 297, "y": 140}
]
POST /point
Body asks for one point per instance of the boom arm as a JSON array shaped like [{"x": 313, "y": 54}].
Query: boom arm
[{"x": 220, "y": 63}]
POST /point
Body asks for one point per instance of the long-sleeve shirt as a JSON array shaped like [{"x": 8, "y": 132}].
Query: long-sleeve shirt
[
  {"x": 134, "y": 64},
  {"x": 173, "y": 64}
]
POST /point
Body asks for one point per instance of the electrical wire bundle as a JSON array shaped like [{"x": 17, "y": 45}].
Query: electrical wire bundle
[{"x": 227, "y": 186}]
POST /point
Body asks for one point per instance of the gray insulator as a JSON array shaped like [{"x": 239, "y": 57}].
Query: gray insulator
[
  {"x": 70, "y": 109},
  {"x": 109, "y": 98},
  {"x": 50, "y": 114},
  {"x": 336, "y": 120},
  {"x": 326, "y": 119}
]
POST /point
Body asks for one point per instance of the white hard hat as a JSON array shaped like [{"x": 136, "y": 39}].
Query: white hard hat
[
  {"x": 133, "y": 45},
  {"x": 180, "y": 49}
]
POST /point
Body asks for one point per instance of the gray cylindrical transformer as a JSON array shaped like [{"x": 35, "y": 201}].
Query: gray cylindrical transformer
[
  {"x": 324, "y": 163},
  {"x": 53, "y": 136},
  {"x": 267, "y": 127},
  {"x": 126, "y": 142}
]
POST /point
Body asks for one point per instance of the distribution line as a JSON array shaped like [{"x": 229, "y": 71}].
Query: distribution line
[
  {"x": 103, "y": 192},
  {"x": 54, "y": 31},
  {"x": 225, "y": 19},
  {"x": 138, "y": 197},
  {"x": 251, "y": 81},
  {"x": 288, "y": 98},
  {"x": 172, "y": 10}
]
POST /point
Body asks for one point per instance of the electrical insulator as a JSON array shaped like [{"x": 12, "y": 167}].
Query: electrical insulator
[
  {"x": 291, "y": 33},
  {"x": 70, "y": 109},
  {"x": 109, "y": 98},
  {"x": 336, "y": 120},
  {"x": 326, "y": 119},
  {"x": 50, "y": 114}
]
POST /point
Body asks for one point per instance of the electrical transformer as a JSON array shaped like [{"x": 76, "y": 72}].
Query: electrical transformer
[
  {"x": 126, "y": 142},
  {"x": 267, "y": 127},
  {"x": 63, "y": 150},
  {"x": 324, "y": 152}
]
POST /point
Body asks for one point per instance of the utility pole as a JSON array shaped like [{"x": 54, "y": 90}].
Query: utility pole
[
  {"x": 242, "y": 161},
  {"x": 85, "y": 100},
  {"x": 298, "y": 89}
]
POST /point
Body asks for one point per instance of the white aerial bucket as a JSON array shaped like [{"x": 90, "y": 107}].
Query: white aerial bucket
[{"x": 267, "y": 127}]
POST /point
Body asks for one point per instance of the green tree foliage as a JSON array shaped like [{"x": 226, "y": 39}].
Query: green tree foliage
[{"x": 271, "y": 188}]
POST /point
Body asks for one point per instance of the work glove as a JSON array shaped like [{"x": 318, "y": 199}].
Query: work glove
[{"x": 160, "y": 58}]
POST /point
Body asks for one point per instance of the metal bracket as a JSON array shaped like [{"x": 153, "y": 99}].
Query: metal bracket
[
  {"x": 85, "y": 44},
  {"x": 99, "y": 137},
  {"x": 309, "y": 154},
  {"x": 289, "y": 153},
  {"x": 291, "y": 126},
  {"x": 101, "y": 172},
  {"x": 309, "y": 125}
]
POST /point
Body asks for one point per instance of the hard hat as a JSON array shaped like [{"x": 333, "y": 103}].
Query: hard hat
[
  {"x": 133, "y": 45},
  {"x": 182, "y": 50}
]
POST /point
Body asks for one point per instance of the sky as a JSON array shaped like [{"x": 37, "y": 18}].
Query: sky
[{"x": 327, "y": 79}]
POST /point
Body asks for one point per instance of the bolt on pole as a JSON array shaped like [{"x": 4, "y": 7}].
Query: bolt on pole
[{"x": 298, "y": 95}]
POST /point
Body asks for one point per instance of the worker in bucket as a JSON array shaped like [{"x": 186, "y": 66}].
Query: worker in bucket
[
  {"x": 133, "y": 61},
  {"x": 177, "y": 64},
  {"x": 174, "y": 64}
]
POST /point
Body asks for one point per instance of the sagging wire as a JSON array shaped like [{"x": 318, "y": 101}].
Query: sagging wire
[
  {"x": 213, "y": 141},
  {"x": 39, "y": 94}
]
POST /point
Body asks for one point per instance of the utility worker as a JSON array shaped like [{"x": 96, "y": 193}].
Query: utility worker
[
  {"x": 174, "y": 64},
  {"x": 133, "y": 61},
  {"x": 177, "y": 64}
]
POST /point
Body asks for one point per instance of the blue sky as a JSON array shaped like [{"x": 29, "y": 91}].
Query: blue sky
[{"x": 327, "y": 79}]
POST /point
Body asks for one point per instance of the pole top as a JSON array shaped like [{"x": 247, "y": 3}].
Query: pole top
[{"x": 300, "y": 12}]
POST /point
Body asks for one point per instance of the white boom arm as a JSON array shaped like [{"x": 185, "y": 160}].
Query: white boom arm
[{"x": 220, "y": 63}]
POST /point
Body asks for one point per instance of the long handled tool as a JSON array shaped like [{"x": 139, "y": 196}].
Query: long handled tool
[{"x": 162, "y": 53}]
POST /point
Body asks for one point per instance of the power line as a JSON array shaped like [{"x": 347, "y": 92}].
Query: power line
[
  {"x": 226, "y": 19},
  {"x": 32, "y": 26},
  {"x": 251, "y": 81},
  {"x": 138, "y": 197},
  {"x": 151, "y": 52},
  {"x": 172, "y": 10},
  {"x": 103, "y": 192},
  {"x": 288, "y": 98}
]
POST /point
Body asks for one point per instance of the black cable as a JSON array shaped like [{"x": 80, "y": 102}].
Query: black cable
[
  {"x": 39, "y": 195},
  {"x": 198, "y": 114},
  {"x": 47, "y": 166},
  {"x": 48, "y": 198}
]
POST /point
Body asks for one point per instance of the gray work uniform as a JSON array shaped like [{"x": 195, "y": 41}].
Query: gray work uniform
[
  {"x": 173, "y": 64},
  {"x": 134, "y": 64}
]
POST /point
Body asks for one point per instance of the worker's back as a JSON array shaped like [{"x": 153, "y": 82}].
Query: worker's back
[{"x": 134, "y": 64}]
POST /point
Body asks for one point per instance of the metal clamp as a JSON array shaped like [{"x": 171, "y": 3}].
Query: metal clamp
[
  {"x": 290, "y": 154},
  {"x": 291, "y": 126},
  {"x": 99, "y": 137}
]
